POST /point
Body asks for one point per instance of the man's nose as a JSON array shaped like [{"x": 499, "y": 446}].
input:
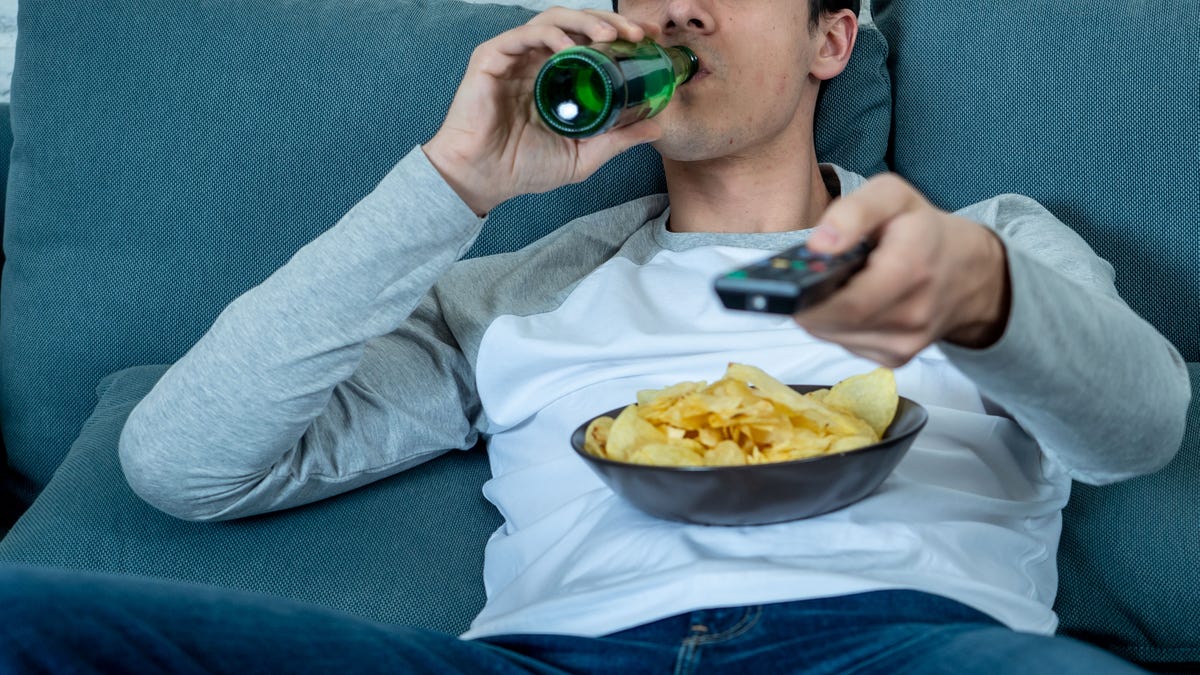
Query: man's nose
[{"x": 688, "y": 16}]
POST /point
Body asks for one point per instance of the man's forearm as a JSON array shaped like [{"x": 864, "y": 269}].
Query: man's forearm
[{"x": 210, "y": 440}]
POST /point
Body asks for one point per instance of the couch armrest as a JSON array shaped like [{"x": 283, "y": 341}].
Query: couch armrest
[
  {"x": 408, "y": 549},
  {"x": 1127, "y": 562}
]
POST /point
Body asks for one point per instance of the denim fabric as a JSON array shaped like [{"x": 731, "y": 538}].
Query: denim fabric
[{"x": 58, "y": 621}]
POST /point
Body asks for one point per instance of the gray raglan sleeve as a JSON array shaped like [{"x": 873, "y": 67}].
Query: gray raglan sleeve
[
  {"x": 1103, "y": 392},
  {"x": 335, "y": 371}
]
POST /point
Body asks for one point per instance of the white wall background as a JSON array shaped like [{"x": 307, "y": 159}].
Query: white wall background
[
  {"x": 8, "y": 42},
  {"x": 8, "y": 28}
]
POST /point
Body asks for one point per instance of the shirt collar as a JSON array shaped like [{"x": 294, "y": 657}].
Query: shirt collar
[{"x": 838, "y": 181}]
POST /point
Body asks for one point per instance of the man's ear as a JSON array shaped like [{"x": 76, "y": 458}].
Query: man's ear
[{"x": 838, "y": 31}]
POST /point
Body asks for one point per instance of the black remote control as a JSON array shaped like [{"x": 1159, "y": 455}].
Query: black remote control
[{"x": 789, "y": 281}]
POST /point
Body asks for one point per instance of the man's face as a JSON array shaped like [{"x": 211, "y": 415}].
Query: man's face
[{"x": 754, "y": 73}]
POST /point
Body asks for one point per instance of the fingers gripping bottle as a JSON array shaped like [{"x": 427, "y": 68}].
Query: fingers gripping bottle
[{"x": 585, "y": 91}]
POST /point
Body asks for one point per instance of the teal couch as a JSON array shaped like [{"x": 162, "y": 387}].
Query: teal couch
[{"x": 167, "y": 156}]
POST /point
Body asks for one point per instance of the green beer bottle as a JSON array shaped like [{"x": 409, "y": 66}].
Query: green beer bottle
[{"x": 584, "y": 91}]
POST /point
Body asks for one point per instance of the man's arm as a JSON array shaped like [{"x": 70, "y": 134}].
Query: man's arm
[
  {"x": 1022, "y": 305},
  {"x": 335, "y": 371},
  {"x": 1101, "y": 389},
  {"x": 492, "y": 146},
  {"x": 338, "y": 369}
]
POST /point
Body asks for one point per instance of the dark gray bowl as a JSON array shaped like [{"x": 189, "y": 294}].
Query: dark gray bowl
[{"x": 761, "y": 493}]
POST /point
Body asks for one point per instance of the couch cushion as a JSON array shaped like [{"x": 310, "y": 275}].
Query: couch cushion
[
  {"x": 407, "y": 550},
  {"x": 1128, "y": 573},
  {"x": 1092, "y": 108},
  {"x": 170, "y": 154}
]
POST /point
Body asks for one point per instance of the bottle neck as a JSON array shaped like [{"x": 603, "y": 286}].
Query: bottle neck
[{"x": 684, "y": 62}]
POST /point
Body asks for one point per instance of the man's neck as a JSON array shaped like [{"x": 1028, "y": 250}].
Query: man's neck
[{"x": 763, "y": 193}]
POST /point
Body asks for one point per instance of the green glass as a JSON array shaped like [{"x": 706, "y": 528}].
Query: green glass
[{"x": 584, "y": 91}]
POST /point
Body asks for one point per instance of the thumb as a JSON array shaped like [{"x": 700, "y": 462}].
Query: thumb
[
  {"x": 863, "y": 213},
  {"x": 594, "y": 152}
]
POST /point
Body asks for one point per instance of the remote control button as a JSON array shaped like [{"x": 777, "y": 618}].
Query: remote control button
[
  {"x": 816, "y": 266},
  {"x": 780, "y": 263}
]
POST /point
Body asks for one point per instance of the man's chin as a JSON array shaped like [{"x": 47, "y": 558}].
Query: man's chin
[{"x": 679, "y": 149}]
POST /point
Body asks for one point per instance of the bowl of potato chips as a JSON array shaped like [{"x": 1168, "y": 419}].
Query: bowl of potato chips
[{"x": 750, "y": 450}]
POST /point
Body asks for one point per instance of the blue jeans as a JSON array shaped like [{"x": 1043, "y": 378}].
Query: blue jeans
[{"x": 70, "y": 622}]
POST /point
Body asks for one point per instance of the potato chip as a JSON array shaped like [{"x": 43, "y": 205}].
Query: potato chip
[
  {"x": 871, "y": 397},
  {"x": 629, "y": 432},
  {"x": 822, "y": 417},
  {"x": 746, "y": 417},
  {"x": 666, "y": 396},
  {"x": 725, "y": 453},
  {"x": 596, "y": 437},
  {"x": 848, "y": 443},
  {"x": 667, "y": 454}
]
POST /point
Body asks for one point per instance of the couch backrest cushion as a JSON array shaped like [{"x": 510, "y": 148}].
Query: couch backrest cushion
[
  {"x": 170, "y": 154},
  {"x": 1092, "y": 108},
  {"x": 408, "y": 550}
]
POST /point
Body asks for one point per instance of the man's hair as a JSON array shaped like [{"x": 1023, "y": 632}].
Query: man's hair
[{"x": 816, "y": 8}]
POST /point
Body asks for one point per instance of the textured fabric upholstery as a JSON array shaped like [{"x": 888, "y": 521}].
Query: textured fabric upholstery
[
  {"x": 1128, "y": 577},
  {"x": 1093, "y": 109},
  {"x": 171, "y": 154},
  {"x": 408, "y": 549}
]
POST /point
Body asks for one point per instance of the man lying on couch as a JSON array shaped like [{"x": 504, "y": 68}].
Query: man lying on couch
[{"x": 373, "y": 350}]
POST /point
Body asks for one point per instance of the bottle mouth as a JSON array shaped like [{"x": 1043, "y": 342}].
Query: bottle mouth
[
  {"x": 693, "y": 62},
  {"x": 574, "y": 93}
]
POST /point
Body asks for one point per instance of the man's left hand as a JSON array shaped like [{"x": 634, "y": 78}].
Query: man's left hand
[{"x": 931, "y": 276}]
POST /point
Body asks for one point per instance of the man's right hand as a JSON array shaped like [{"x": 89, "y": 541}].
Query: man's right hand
[{"x": 492, "y": 145}]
